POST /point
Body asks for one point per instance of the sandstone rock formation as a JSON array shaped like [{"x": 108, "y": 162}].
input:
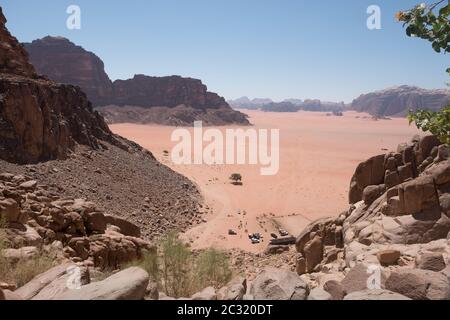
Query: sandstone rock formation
[
  {"x": 397, "y": 101},
  {"x": 39, "y": 119},
  {"x": 13, "y": 57},
  {"x": 36, "y": 218},
  {"x": 63, "y": 61},
  {"x": 393, "y": 241}
]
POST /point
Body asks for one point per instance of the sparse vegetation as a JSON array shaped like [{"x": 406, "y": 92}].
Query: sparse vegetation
[
  {"x": 23, "y": 271},
  {"x": 180, "y": 273},
  {"x": 236, "y": 179}
]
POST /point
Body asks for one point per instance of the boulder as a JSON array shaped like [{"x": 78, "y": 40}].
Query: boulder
[
  {"x": 32, "y": 288},
  {"x": 388, "y": 257},
  {"x": 9, "y": 296},
  {"x": 126, "y": 227},
  {"x": 277, "y": 284},
  {"x": 314, "y": 250},
  {"x": 234, "y": 290},
  {"x": 433, "y": 261},
  {"x": 319, "y": 294},
  {"x": 378, "y": 294},
  {"x": 359, "y": 278},
  {"x": 371, "y": 193},
  {"x": 335, "y": 289},
  {"x": 419, "y": 284},
  {"x": 370, "y": 172},
  {"x": 129, "y": 284},
  {"x": 207, "y": 294}
]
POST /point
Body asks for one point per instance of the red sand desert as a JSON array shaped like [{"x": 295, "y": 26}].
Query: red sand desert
[{"x": 318, "y": 156}]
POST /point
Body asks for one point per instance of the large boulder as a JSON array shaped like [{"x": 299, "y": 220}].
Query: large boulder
[
  {"x": 129, "y": 284},
  {"x": 35, "y": 286},
  {"x": 378, "y": 294},
  {"x": 419, "y": 284},
  {"x": 370, "y": 172},
  {"x": 277, "y": 284}
]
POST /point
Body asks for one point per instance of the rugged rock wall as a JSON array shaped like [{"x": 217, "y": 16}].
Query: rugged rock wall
[
  {"x": 398, "y": 101},
  {"x": 398, "y": 223},
  {"x": 64, "y": 62},
  {"x": 39, "y": 119},
  {"x": 13, "y": 57}
]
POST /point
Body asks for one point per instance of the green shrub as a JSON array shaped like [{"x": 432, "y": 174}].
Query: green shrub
[{"x": 213, "y": 269}]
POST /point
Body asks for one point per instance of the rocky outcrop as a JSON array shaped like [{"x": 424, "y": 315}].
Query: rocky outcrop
[
  {"x": 35, "y": 218},
  {"x": 276, "y": 284},
  {"x": 13, "y": 57},
  {"x": 39, "y": 119},
  {"x": 393, "y": 241},
  {"x": 397, "y": 101},
  {"x": 129, "y": 284},
  {"x": 63, "y": 61}
]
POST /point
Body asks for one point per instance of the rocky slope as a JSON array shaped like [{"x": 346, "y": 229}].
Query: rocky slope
[
  {"x": 397, "y": 101},
  {"x": 54, "y": 128},
  {"x": 64, "y": 62}
]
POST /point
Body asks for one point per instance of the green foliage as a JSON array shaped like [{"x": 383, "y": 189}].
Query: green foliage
[
  {"x": 438, "y": 123},
  {"x": 180, "y": 273},
  {"x": 236, "y": 178},
  {"x": 176, "y": 265},
  {"x": 430, "y": 23},
  {"x": 213, "y": 268}
]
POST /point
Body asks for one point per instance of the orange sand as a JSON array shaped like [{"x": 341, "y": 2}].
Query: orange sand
[{"x": 318, "y": 155}]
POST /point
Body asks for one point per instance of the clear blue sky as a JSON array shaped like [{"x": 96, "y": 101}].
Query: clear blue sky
[{"x": 258, "y": 48}]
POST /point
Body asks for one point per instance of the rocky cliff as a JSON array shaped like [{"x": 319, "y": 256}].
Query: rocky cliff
[
  {"x": 397, "y": 101},
  {"x": 39, "y": 119},
  {"x": 64, "y": 62}
]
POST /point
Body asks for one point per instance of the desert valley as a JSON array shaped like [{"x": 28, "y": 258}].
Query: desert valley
[
  {"x": 93, "y": 205},
  {"x": 318, "y": 156}
]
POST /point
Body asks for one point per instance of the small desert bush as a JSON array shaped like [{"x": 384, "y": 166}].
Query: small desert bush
[
  {"x": 213, "y": 268},
  {"x": 180, "y": 273},
  {"x": 23, "y": 271}
]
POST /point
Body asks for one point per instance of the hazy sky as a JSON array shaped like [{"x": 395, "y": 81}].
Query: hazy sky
[{"x": 258, "y": 48}]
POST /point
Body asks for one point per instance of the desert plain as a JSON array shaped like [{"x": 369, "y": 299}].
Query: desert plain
[{"x": 318, "y": 156}]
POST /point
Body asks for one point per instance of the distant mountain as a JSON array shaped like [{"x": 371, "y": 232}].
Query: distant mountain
[
  {"x": 64, "y": 62},
  {"x": 397, "y": 101},
  {"x": 246, "y": 103},
  {"x": 294, "y": 105}
]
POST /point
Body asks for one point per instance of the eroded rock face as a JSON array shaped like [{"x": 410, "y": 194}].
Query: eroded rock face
[
  {"x": 277, "y": 284},
  {"x": 13, "y": 57},
  {"x": 129, "y": 284},
  {"x": 39, "y": 218},
  {"x": 52, "y": 55},
  {"x": 39, "y": 119},
  {"x": 65, "y": 62},
  {"x": 398, "y": 101}
]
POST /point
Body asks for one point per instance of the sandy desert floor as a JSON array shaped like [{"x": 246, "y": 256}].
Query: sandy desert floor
[{"x": 318, "y": 155}]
